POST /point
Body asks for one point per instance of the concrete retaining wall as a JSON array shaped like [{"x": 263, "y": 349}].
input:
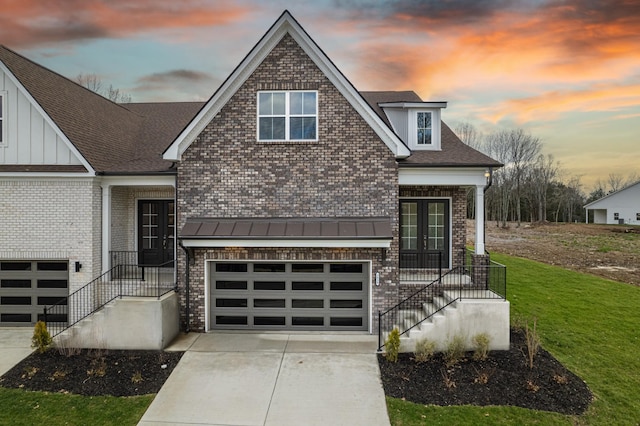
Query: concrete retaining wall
[{"x": 129, "y": 323}]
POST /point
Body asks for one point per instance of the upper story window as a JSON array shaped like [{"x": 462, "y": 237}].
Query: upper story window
[
  {"x": 424, "y": 128},
  {"x": 3, "y": 125},
  {"x": 616, "y": 216},
  {"x": 417, "y": 123},
  {"x": 288, "y": 116}
]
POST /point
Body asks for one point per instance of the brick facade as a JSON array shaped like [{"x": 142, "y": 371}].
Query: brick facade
[
  {"x": 349, "y": 171},
  {"x": 458, "y": 211},
  {"x": 57, "y": 219}
]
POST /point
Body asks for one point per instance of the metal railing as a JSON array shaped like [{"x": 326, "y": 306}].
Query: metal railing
[
  {"x": 420, "y": 267},
  {"x": 469, "y": 281},
  {"x": 122, "y": 280}
]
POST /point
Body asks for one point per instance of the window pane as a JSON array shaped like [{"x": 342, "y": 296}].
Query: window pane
[
  {"x": 427, "y": 120},
  {"x": 269, "y": 285},
  {"x": 307, "y": 303},
  {"x": 309, "y": 126},
  {"x": 264, "y": 104},
  {"x": 266, "y": 128},
  {"x": 278, "y": 128},
  {"x": 268, "y": 303},
  {"x": 295, "y": 103},
  {"x": 278, "y": 103},
  {"x": 295, "y": 128},
  {"x": 309, "y": 103},
  {"x": 268, "y": 321},
  {"x": 268, "y": 267}
]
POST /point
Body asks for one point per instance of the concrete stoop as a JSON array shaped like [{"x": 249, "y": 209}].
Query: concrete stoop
[
  {"x": 462, "y": 317},
  {"x": 146, "y": 323}
]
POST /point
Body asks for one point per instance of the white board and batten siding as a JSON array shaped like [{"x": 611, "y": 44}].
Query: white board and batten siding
[{"x": 30, "y": 138}]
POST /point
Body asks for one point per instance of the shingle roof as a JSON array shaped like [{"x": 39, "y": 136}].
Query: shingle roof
[
  {"x": 454, "y": 152},
  {"x": 130, "y": 138},
  {"x": 111, "y": 137}
]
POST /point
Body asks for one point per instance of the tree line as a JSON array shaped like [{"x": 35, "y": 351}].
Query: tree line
[{"x": 531, "y": 186}]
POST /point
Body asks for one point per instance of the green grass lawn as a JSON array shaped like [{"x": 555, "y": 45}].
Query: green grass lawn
[
  {"x": 18, "y": 407},
  {"x": 590, "y": 324}
]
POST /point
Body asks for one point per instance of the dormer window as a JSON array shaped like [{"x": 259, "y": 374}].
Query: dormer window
[
  {"x": 3, "y": 124},
  {"x": 424, "y": 128},
  {"x": 417, "y": 123},
  {"x": 287, "y": 116}
]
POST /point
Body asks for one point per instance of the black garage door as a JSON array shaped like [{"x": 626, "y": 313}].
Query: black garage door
[
  {"x": 289, "y": 295},
  {"x": 26, "y": 287}
]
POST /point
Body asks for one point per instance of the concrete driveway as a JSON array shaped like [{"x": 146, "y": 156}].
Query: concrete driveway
[
  {"x": 15, "y": 345},
  {"x": 272, "y": 379}
]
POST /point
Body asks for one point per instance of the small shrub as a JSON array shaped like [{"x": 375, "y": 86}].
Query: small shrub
[
  {"x": 454, "y": 352},
  {"x": 29, "y": 372},
  {"x": 532, "y": 339},
  {"x": 560, "y": 379},
  {"x": 484, "y": 376},
  {"x": 58, "y": 375},
  {"x": 532, "y": 387},
  {"x": 392, "y": 346},
  {"x": 98, "y": 367},
  {"x": 137, "y": 377},
  {"x": 41, "y": 340},
  {"x": 66, "y": 350},
  {"x": 449, "y": 383},
  {"x": 481, "y": 342},
  {"x": 425, "y": 349}
]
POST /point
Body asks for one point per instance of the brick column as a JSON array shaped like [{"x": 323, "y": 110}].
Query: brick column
[{"x": 480, "y": 270}]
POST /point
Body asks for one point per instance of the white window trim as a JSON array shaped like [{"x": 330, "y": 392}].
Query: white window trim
[
  {"x": 287, "y": 116},
  {"x": 4, "y": 134},
  {"x": 412, "y": 128}
]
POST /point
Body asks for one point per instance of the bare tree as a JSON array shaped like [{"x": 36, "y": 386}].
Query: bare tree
[
  {"x": 517, "y": 150},
  {"x": 543, "y": 172},
  {"x": 95, "y": 84},
  {"x": 468, "y": 134}
]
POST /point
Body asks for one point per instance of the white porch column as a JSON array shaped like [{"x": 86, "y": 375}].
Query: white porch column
[
  {"x": 480, "y": 219},
  {"x": 106, "y": 225}
]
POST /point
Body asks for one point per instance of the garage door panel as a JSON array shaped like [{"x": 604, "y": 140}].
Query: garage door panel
[
  {"x": 26, "y": 287},
  {"x": 281, "y": 295}
]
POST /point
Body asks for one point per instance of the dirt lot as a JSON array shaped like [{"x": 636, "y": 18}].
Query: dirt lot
[{"x": 610, "y": 251}]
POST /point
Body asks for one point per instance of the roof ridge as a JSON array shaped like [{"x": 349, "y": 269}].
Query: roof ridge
[{"x": 61, "y": 76}]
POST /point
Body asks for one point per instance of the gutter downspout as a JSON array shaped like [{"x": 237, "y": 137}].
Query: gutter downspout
[{"x": 186, "y": 292}]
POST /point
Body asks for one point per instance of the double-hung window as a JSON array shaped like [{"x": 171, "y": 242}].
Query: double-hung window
[
  {"x": 3, "y": 124},
  {"x": 423, "y": 128},
  {"x": 288, "y": 116}
]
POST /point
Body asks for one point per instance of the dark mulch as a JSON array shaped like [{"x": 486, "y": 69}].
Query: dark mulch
[
  {"x": 93, "y": 372},
  {"x": 549, "y": 386}
]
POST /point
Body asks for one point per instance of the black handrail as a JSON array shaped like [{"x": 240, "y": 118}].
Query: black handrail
[
  {"x": 119, "y": 281},
  {"x": 462, "y": 282}
]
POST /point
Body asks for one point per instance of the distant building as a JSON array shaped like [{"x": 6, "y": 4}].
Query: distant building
[{"x": 619, "y": 207}]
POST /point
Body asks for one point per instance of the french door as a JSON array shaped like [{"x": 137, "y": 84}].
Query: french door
[
  {"x": 424, "y": 233},
  {"x": 156, "y": 230}
]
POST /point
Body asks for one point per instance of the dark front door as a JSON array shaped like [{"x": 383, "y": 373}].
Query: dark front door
[
  {"x": 156, "y": 231},
  {"x": 424, "y": 233}
]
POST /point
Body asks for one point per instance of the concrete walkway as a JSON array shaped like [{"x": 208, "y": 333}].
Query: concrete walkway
[
  {"x": 15, "y": 345},
  {"x": 272, "y": 379}
]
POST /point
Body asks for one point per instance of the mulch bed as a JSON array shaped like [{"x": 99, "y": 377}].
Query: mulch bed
[
  {"x": 549, "y": 386},
  {"x": 93, "y": 372}
]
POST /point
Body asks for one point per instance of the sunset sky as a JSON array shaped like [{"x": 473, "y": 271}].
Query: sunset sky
[{"x": 566, "y": 71}]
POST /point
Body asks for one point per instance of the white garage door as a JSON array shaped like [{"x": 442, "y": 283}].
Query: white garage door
[
  {"x": 26, "y": 287},
  {"x": 289, "y": 295}
]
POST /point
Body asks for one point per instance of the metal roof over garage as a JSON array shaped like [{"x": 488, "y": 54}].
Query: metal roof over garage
[{"x": 295, "y": 230}]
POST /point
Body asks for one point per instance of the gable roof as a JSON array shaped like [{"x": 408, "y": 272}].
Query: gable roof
[
  {"x": 106, "y": 136},
  {"x": 612, "y": 195},
  {"x": 453, "y": 153},
  {"x": 285, "y": 24}
]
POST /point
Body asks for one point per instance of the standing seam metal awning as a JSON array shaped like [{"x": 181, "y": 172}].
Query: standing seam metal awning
[{"x": 287, "y": 232}]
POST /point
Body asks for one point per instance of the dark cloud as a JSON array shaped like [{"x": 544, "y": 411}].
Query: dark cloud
[
  {"x": 29, "y": 23},
  {"x": 172, "y": 76}
]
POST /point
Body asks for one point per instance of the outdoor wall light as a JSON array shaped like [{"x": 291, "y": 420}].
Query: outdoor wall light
[{"x": 78, "y": 266}]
